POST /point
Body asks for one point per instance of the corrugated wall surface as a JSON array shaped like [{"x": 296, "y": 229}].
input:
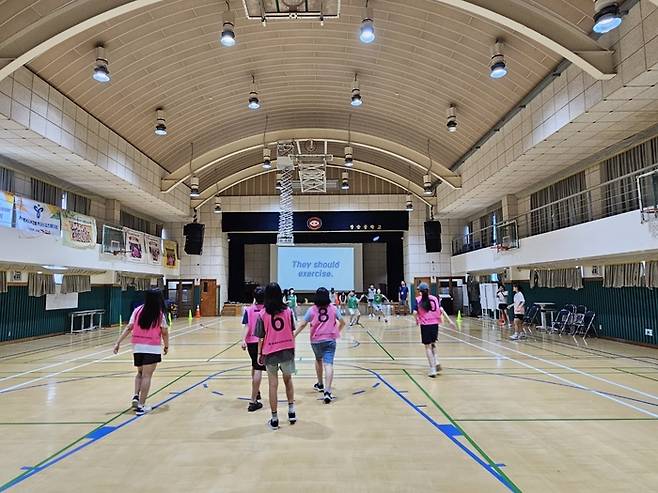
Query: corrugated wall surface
[
  {"x": 24, "y": 316},
  {"x": 623, "y": 313}
]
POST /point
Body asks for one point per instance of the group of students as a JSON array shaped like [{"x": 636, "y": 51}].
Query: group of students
[
  {"x": 518, "y": 306},
  {"x": 269, "y": 337}
]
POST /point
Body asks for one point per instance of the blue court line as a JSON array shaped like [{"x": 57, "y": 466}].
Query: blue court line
[
  {"x": 93, "y": 437},
  {"x": 376, "y": 385},
  {"x": 174, "y": 393},
  {"x": 449, "y": 430},
  {"x": 359, "y": 392},
  {"x": 217, "y": 392},
  {"x": 421, "y": 405}
]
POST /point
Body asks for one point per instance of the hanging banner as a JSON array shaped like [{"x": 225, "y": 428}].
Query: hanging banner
[
  {"x": 135, "y": 245},
  {"x": 6, "y": 209},
  {"x": 154, "y": 250},
  {"x": 170, "y": 253},
  {"x": 37, "y": 217},
  {"x": 79, "y": 231}
]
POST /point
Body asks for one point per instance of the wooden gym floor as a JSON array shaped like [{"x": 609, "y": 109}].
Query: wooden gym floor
[{"x": 544, "y": 415}]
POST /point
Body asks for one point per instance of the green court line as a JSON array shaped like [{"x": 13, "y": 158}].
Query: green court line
[
  {"x": 483, "y": 454},
  {"x": 223, "y": 351},
  {"x": 75, "y": 442},
  {"x": 637, "y": 374},
  {"x": 379, "y": 344},
  {"x": 52, "y": 423},
  {"x": 550, "y": 419}
]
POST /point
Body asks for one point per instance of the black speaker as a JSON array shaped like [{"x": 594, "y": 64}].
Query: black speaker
[
  {"x": 432, "y": 236},
  {"x": 193, "y": 233}
]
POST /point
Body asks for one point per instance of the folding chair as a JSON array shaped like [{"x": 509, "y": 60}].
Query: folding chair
[
  {"x": 578, "y": 319},
  {"x": 529, "y": 320},
  {"x": 587, "y": 325},
  {"x": 560, "y": 322}
]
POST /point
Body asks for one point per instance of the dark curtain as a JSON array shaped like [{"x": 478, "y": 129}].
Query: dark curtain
[
  {"x": 6, "y": 180},
  {"x": 78, "y": 203},
  {"x": 556, "y": 207},
  {"x": 46, "y": 193}
]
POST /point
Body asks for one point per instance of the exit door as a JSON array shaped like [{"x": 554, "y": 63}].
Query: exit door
[{"x": 208, "y": 297}]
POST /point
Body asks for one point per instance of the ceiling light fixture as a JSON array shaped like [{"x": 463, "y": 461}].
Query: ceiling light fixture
[
  {"x": 607, "y": 16},
  {"x": 452, "y": 118},
  {"x": 227, "y": 37},
  {"x": 218, "y": 205},
  {"x": 349, "y": 157},
  {"x": 357, "y": 100},
  {"x": 267, "y": 158},
  {"x": 254, "y": 102},
  {"x": 367, "y": 31},
  {"x": 279, "y": 181},
  {"x": 101, "y": 71},
  {"x": 497, "y": 64},
  {"x": 427, "y": 178},
  {"x": 345, "y": 181},
  {"x": 194, "y": 187},
  {"x": 160, "y": 124},
  {"x": 409, "y": 203}
]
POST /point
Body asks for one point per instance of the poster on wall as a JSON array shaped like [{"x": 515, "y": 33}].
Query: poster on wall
[
  {"x": 37, "y": 217},
  {"x": 135, "y": 246},
  {"x": 79, "y": 231},
  {"x": 170, "y": 254},
  {"x": 6, "y": 209},
  {"x": 153, "y": 250}
]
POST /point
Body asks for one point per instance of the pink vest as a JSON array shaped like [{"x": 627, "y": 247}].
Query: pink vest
[
  {"x": 323, "y": 324},
  {"x": 253, "y": 312},
  {"x": 431, "y": 317},
  {"x": 278, "y": 331},
  {"x": 145, "y": 336}
]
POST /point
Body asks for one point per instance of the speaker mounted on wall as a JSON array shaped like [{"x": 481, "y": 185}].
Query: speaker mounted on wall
[
  {"x": 432, "y": 236},
  {"x": 193, "y": 233}
]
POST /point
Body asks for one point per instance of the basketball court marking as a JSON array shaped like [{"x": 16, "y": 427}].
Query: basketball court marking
[{"x": 557, "y": 377}]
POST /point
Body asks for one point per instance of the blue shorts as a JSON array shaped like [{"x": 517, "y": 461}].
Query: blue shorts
[{"x": 325, "y": 351}]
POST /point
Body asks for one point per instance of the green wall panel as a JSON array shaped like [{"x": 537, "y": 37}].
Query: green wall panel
[{"x": 623, "y": 313}]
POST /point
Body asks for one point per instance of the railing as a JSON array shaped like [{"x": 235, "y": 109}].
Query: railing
[{"x": 610, "y": 198}]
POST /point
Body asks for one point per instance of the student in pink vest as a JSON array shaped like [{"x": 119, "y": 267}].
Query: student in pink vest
[
  {"x": 276, "y": 349},
  {"x": 250, "y": 342},
  {"x": 326, "y": 326},
  {"x": 429, "y": 313},
  {"x": 149, "y": 329}
]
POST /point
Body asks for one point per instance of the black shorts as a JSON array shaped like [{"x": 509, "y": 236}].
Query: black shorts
[
  {"x": 252, "y": 347},
  {"x": 429, "y": 333},
  {"x": 502, "y": 306},
  {"x": 142, "y": 359},
  {"x": 519, "y": 316}
]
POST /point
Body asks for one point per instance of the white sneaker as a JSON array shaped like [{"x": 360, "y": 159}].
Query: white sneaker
[
  {"x": 142, "y": 410},
  {"x": 432, "y": 373},
  {"x": 514, "y": 337}
]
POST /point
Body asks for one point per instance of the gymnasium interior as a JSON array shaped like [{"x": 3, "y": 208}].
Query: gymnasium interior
[{"x": 491, "y": 150}]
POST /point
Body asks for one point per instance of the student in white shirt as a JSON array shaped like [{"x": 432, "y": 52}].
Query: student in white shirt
[{"x": 519, "y": 312}]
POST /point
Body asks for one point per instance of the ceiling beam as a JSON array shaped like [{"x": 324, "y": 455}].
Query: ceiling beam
[{"x": 358, "y": 140}]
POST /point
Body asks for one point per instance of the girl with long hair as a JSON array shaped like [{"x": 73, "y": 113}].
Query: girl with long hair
[
  {"x": 250, "y": 342},
  {"x": 148, "y": 326},
  {"x": 326, "y": 326},
  {"x": 276, "y": 349},
  {"x": 429, "y": 314}
]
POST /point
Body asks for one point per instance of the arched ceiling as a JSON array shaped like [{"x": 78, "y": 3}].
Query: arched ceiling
[{"x": 427, "y": 55}]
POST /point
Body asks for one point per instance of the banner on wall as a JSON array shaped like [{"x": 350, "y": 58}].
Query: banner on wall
[
  {"x": 37, "y": 217},
  {"x": 79, "y": 231},
  {"x": 154, "y": 250},
  {"x": 135, "y": 245},
  {"x": 170, "y": 254},
  {"x": 6, "y": 209}
]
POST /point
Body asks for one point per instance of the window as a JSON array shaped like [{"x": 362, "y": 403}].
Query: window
[
  {"x": 136, "y": 223},
  {"x": 6, "y": 180},
  {"x": 559, "y": 205},
  {"x": 46, "y": 193},
  {"x": 77, "y": 203}
]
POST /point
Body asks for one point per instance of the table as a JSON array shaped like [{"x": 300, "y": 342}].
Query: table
[
  {"x": 543, "y": 309},
  {"x": 82, "y": 315}
]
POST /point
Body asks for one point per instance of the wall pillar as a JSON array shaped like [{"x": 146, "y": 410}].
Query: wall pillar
[
  {"x": 113, "y": 211},
  {"x": 594, "y": 197}
]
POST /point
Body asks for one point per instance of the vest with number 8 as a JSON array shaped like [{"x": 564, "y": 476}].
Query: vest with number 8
[
  {"x": 278, "y": 331},
  {"x": 323, "y": 323}
]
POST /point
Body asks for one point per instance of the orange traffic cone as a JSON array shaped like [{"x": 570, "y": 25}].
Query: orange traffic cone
[{"x": 198, "y": 312}]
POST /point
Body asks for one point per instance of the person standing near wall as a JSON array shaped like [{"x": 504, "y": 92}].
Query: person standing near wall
[
  {"x": 276, "y": 349},
  {"x": 501, "y": 294},
  {"x": 429, "y": 315},
  {"x": 250, "y": 342},
  {"x": 403, "y": 296},
  {"x": 326, "y": 326},
  {"x": 519, "y": 313},
  {"x": 291, "y": 300},
  {"x": 148, "y": 326}
]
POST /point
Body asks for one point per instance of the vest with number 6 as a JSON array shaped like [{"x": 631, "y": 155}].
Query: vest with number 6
[
  {"x": 323, "y": 323},
  {"x": 253, "y": 312},
  {"x": 278, "y": 331},
  {"x": 431, "y": 317}
]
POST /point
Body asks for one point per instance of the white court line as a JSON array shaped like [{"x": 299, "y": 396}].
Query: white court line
[
  {"x": 557, "y": 377},
  {"x": 310, "y": 357},
  {"x": 13, "y": 387}
]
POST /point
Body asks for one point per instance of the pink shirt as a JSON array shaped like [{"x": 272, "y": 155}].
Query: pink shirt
[
  {"x": 253, "y": 312},
  {"x": 146, "y": 340},
  {"x": 431, "y": 317},
  {"x": 323, "y": 323},
  {"x": 278, "y": 331}
]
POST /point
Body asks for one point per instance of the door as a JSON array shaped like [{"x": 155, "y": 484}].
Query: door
[
  {"x": 208, "y": 297},
  {"x": 185, "y": 298}
]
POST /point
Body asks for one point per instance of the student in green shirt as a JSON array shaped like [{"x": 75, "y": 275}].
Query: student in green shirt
[
  {"x": 378, "y": 304},
  {"x": 291, "y": 300},
  {"x": 353, "y": 307}
]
